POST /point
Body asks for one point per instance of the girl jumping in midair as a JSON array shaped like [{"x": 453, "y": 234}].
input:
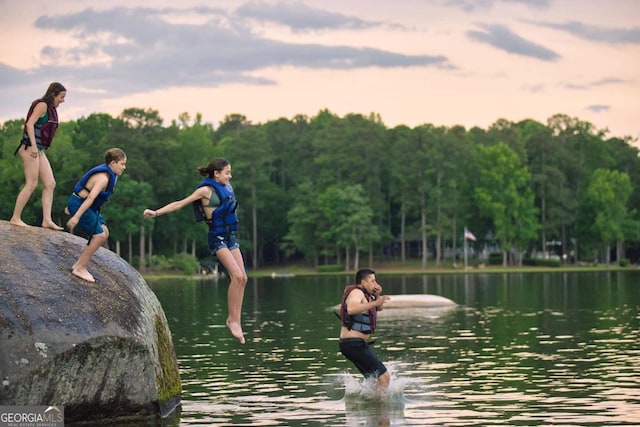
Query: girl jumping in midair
[{"x": 214, "y": 202}]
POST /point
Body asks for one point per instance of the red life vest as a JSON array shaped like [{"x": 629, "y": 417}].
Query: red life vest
[
  {"x": 363, "y": 322},
  {"x": 44, "y": 132}
]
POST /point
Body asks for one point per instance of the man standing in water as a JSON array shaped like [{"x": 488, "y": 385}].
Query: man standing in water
[{"x": 358, "y": 312}]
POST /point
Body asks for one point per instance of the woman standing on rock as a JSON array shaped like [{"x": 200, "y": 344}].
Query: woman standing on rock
[
  {"x": 39, "y": 129},
  {"x": 214, "y": 202}
]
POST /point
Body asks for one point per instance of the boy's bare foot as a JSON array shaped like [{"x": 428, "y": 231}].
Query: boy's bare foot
[
  {"x": 52, "y": 226},
  {"x": 236, "y": 331},
  {"x": 83, "y": 274},
  {"x": 18, "y": 222}
]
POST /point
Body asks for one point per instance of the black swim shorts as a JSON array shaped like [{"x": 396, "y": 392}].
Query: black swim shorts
[{"x": 360, "y": 353}]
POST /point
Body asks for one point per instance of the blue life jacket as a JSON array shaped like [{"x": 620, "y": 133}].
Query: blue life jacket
[
  {"x": 224, "y": 220},
  {"x": 362, "y": 322},
  {"x": 43, "y": 132},
  {"x": 102, "y": 198}
]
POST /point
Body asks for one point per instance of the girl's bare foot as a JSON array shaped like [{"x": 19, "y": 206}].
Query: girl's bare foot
[
  {"x": 18, "y": 222},
  {"x": 52, "y": 226},
  {"x": 83, "y": 274},
  {"x": 236, "y": 331}
]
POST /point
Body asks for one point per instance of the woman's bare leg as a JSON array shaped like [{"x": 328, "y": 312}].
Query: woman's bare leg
[
  {"x": 234, "y": 264},
  {"x": 48, "y": 186},
  {"x": 31, "y": 173}
]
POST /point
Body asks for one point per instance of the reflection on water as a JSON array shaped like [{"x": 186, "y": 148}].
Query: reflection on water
[{"x": 521, "y": 349}]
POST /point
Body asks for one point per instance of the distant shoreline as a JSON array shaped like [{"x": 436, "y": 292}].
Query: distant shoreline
[{"x": 388, "y": 270}]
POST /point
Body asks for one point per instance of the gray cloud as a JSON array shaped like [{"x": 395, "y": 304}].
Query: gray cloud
[
  {"x": 12, "y": 77},
  {"x": 472, "y": 5},
  {"x": 608, "y": 81},
  {"x": 598, "y": 108},
  {"x": 595, "y": 33},
  {"x": 501, "y": 37},
  {"x": 575, "y": 86},
  {"x": 133, "y": 50},
  {"x": 601, "y": 82},
  {"x": 300, "y": 17}
]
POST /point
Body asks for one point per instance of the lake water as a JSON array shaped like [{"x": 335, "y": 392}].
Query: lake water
[{"x": 518, "y": 349}]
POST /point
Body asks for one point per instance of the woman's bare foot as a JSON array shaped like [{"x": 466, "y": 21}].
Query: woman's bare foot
[
  {"x": 18, "y": 222},
  {"x": 83, "y": 274},
  {"x": 236, "y": 331},
  {"x": 52, "y": 226}
]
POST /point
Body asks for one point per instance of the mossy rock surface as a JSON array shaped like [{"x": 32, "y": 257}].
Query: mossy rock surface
[{"x": 102, "y": 350}]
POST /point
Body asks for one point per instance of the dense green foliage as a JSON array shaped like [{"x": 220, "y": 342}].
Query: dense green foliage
[{"x": 331, "y": 189}]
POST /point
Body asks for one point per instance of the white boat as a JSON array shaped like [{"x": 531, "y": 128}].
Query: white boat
[
  {"x": 420, "y": 305},
  {"x": 417, "y": 300}
]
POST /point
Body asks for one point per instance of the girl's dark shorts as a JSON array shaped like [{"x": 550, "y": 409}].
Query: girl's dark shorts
[{"x": 360, "y": 353}]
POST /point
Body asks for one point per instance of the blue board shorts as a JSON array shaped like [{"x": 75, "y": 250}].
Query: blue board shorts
[
  {"x": 360, "y": 353},
  {"x": 91, "y": 221}
]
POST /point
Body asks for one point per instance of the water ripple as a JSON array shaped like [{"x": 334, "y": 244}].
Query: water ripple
[{"x": 566, "y": 356}]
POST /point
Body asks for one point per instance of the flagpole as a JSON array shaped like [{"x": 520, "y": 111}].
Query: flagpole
[{"x": 465, "y": 247}]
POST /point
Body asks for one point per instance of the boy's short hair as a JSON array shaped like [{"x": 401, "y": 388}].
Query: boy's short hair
[{"x": 114, "y": 154}]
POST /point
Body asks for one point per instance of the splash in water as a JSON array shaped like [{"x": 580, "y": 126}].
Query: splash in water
[
  {"x": 364, "y": 405},
  {"x": 359, "y": 389}
]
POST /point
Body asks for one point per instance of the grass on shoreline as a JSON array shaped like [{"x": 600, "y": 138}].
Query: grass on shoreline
[{"x": 398, "y": 268}]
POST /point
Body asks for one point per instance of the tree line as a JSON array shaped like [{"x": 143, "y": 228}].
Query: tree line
[{"x": 330, "y": 190}]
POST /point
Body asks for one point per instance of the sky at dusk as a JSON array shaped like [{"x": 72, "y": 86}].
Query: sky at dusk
[{"x": 443, "y": 62}]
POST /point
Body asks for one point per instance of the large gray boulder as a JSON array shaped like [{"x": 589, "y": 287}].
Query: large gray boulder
[{"x": 102, "y": 350}]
